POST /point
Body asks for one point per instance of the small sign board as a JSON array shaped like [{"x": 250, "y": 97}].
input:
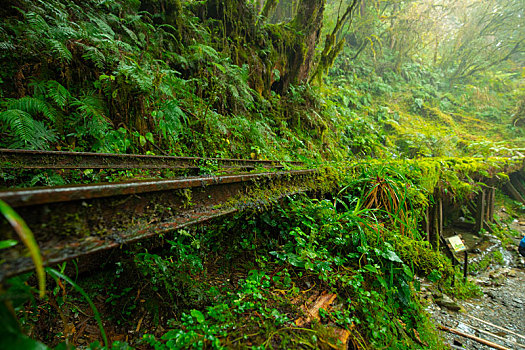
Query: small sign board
[{"x": 457, "y": 244}]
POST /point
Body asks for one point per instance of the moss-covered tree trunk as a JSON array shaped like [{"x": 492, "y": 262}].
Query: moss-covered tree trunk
[
  {"x": 299, "y": 47},
  {"x": 286, "y": 47}
]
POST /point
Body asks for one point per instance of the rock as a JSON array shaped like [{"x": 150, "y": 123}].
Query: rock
[
  {"x": 448, "y": 303},
  {"x": 497, "y": 274},
  {"x": 436, "y": 294},
  {"x": 457, "y": 343},
  {"x": 491, "y": 294},
  {"x": 483, "y": 282}
]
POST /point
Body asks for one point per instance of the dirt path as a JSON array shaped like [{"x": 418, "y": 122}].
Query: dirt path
[{"x": 502, "y": 304}]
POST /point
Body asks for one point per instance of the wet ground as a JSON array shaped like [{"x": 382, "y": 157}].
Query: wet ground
[{"x": 499, "y": 315}]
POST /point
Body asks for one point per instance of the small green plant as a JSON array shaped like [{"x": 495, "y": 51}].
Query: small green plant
[{"x": 26, "y": 236}]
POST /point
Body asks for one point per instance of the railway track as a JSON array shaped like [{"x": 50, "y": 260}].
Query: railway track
[
  {"x": 78, "y": 220},
  {"x": 25, "y": 159}
]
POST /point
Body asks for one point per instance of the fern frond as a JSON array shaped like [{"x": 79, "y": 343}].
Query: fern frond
[
  {"x": 124, "y": 46},
  {"x": 6, "y": 46},
  {"x": 20, "y": 122},
  {"x": 36, "y": 23},
  {"x": 133, "y": 36},
  {"x": 33, "y": 106},
  {"x": 94, "y": 55},
  {"x": 136, "y": 74},
  {"x": 27, "y": 132},
  {"x": 102, "y": 25},
  {"x": 53, "y": 9},
  {"x": 94, "y": 123},
  {"x": 58, "y": 93},
  {"x": 90, "y": 107},
  {"x": 204, "y": 52},
  {"x": 59, "y": 50},
  {"x": 42, "y": 136},
  {"x": 63, "y": 32}
]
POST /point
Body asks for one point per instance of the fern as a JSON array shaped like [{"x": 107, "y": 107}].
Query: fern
[
  {"x": 42, "y": 136},
  {"x": 20, "y": 122},
  {"x": 27, "y": 132},
  {"x": 133, "y": 36},
  {"x": 171, "y": 120},
  {"x": 59, "y": 94},
  {"x": 141, "y": 77},
  {"x": 106, "y": 29},
  {"x": 37, "y": 24},
  {"x": 33, "y": 106},
  {"x": 201, "y": 53},
  {"x": 6, "y": 46},
  {"x": 91, "y": 110},
  {"x": 94, "y": 55},
  {"x": 58, "y": 50},
  {"x": 124, "y": 46}
]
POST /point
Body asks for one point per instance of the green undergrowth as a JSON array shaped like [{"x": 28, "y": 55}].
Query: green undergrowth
[
  {"x": 134, "y": 77},
  {"x": 131, "y": 77},
  {"x": 487, "y": 260},
  {"x": 419, "y": 114},
  {"x": 241, "y": 282},
  {"x": 247, "y": 280},
  {"x": 462, "y": 289}
]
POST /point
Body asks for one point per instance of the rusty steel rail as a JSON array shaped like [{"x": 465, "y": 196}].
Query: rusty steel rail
[
  {"x": 26, "y": 159},
  {"x": 75, "y": 221}
]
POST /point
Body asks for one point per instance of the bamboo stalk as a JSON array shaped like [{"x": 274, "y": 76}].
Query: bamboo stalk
[
  {"x": 473, "y": 337},
  {"x": 496, "y": 326}
]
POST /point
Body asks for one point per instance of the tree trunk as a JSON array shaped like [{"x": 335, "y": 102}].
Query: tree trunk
[{"x": 299, "y": 48}]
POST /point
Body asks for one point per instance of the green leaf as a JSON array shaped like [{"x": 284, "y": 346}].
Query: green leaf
[
  {"x": 392, "y": 256},
  {"x": 149, "y": 137},
  {"x": 220, "y": 66},
  {"x": 25, "y": 234},
  {"x": 142, "y": 140},
  {"x": 7, "y": 243},
  {"x": 198, "y": 315},
  {"x": 408, "y": 272},
  {"x": 370, "y": 268},
  {"x": 308, "y": 265}
]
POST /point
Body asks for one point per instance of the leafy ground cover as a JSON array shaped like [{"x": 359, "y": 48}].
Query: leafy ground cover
[{"x": 305, "y": 273}]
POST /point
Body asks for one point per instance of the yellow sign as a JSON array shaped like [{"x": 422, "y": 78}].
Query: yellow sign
[{"x": 457, "y": 244}]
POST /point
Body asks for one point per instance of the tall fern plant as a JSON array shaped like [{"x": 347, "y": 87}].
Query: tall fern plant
[{"x": 19, "y": 122}]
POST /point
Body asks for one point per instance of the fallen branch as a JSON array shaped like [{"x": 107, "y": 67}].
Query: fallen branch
[
  {"x": 496, "y": 336},
  {"x": 496, "y": 326},
  {"x": 473, "y": 337}
]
